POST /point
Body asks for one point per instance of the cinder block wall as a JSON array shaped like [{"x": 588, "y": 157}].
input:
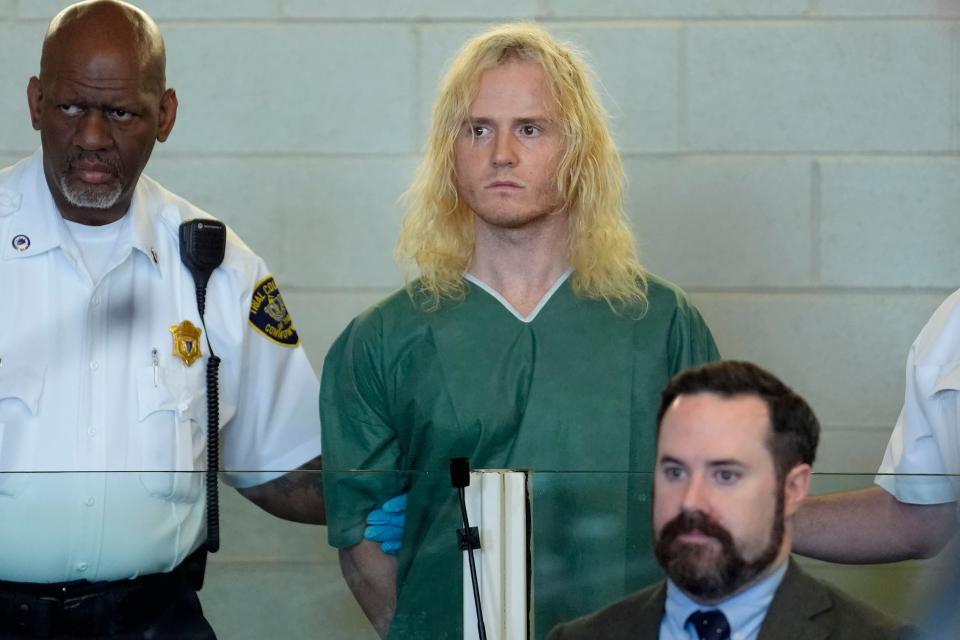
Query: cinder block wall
[{"x": 792, "y": 163}]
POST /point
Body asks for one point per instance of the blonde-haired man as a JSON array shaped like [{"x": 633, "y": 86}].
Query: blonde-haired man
[{"x": 532, "y": 339}]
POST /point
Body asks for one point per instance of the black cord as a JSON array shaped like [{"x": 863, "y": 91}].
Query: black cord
[
  {"x": 202, "y": 307},
  {"x": 481, "y": 629},
  {"x": 213, "y": 434}
]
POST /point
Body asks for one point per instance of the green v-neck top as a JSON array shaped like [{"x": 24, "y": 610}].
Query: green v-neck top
[{"x": 574, "y": 389}]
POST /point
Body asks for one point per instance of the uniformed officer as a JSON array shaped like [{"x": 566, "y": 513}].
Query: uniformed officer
[
  {"x": 911, "y": 510},
  {"x": 103, "y": 357}
]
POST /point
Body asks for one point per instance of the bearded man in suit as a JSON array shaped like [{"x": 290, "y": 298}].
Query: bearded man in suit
[{"x": 735, "y": 449}]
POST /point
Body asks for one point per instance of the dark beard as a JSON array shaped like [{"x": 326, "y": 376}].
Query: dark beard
[{"x": 710, "y": 579}]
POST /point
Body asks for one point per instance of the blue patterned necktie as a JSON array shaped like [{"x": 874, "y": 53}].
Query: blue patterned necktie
[{"x": 710, "y": 625}]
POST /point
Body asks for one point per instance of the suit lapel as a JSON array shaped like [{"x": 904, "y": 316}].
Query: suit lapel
[
  {"x": 649, "y": 614},
  {"x": 798, "y": 599}
]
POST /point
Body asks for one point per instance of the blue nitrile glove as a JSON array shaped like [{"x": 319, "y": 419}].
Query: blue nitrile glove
[{"x": 385, "y": 525}]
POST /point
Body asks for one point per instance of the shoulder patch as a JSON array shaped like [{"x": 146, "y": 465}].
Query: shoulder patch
[{"x": 269, "y": 315}]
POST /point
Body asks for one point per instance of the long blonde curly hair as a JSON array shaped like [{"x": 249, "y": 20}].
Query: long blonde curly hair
[{"x": 438, "y": 228}]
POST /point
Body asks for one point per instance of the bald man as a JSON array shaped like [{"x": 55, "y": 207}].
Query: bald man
[{"x": 104, "y": 355}]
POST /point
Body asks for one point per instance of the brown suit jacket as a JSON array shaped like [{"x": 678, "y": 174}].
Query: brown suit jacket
[{"x": 802, "y": 609}]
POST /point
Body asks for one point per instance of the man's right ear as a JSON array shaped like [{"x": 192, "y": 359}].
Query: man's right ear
[
  {"x": 34, "y": 101},
  {"x": 796, "y": 488}
]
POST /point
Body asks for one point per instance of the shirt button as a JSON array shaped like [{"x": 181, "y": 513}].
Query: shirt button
[
  {"x": 89, "y": 502},
  {"x": 94, "y": 365},
  {"x": 91, "y": 432},
  {"x": 95, "y": 301},
  {"x": 81, "y": 567}
]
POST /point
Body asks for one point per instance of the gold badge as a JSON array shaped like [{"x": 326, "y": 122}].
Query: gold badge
[{"x": 186, "y": 341}]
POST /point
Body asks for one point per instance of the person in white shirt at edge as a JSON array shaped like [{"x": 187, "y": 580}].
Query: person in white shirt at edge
[
  {"x": 911, "y": 511},
  {"x": 734, "y": 453},
  {"x": 102, "y": 362}
]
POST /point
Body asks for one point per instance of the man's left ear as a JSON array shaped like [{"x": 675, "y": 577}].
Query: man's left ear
[
  {"x": 796, "y": 487},
  {"x": 167, "y": 114}
]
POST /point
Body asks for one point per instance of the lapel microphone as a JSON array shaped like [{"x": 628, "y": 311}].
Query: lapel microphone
[
  {"x": 468, "y": 538},
  {"x": 203, "y": 244}
]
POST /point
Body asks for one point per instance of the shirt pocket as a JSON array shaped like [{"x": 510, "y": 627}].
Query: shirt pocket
[
  {"x": 172, "y": 435},
  {"x": 21, "y": 386}
]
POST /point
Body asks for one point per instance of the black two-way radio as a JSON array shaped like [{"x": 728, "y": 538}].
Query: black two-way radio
[{"x": 202, "y": 247}]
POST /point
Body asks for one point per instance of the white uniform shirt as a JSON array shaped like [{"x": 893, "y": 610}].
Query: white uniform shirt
[
  {"x": 926, "y": 439},
  {"x": 81, "y": 391}
]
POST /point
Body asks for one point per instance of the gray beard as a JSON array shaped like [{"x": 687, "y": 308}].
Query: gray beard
[{"x": 87, "y": 198}]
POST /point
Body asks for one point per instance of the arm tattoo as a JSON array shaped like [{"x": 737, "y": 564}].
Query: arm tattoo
[
  {"x": 297, "y": 495},
  {"x": 308, "y": 478}
]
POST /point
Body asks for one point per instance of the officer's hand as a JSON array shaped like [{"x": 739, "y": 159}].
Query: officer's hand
[{"x": 385, "y": 525}]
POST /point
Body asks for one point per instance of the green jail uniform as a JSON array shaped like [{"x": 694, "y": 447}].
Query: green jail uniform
[{"x": 575, "y": 389}]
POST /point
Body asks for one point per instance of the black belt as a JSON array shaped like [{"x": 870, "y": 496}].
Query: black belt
[{"x": 93, "y": 609}]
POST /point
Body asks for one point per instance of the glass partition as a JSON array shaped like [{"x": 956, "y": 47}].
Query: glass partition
[{"x": 588, "y": 544}]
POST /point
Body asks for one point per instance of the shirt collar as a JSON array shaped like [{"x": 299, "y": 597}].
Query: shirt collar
[
  {"x": 39, "y": 222},
  {"x": 36, "y": 226},
  {"x": 145, "y": 217},
  {"x": 745, "y": 611}
]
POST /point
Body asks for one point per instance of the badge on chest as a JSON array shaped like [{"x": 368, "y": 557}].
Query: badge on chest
[{"x": 186, "y": 342}]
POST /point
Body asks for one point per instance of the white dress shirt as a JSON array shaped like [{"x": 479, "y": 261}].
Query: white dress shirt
[
  {"x": 89, "y": 383},
  {"x": 745, "y": 612}
]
